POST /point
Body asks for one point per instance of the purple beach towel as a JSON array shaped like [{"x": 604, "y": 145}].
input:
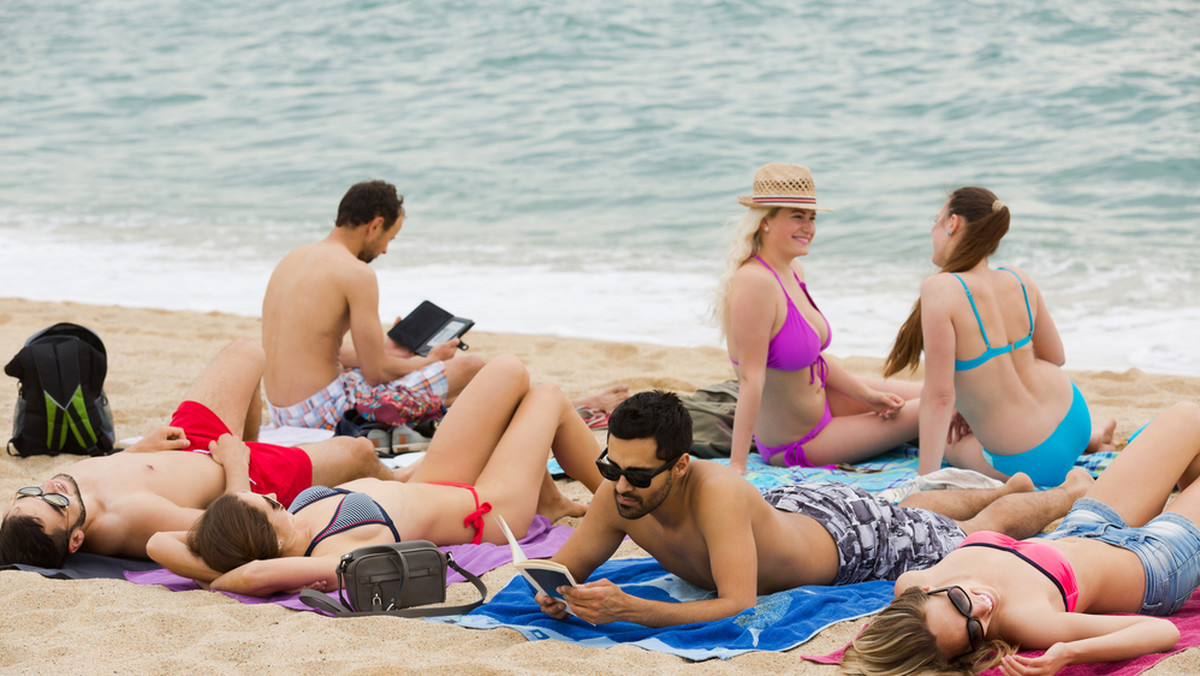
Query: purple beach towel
[{"x": 542, "y": 540}]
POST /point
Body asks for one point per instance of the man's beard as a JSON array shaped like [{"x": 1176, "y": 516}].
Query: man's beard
[{"x": 644, "y": 505}]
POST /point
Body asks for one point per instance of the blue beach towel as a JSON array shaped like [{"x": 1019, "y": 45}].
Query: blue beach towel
[{"x": 778, "y": 622}]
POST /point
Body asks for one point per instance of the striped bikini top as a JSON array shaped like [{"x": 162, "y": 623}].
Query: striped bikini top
[{"x": 355, "y": 509}]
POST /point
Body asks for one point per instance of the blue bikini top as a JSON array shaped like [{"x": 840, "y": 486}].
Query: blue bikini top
[
  {"x": 356, "y": 509},
  {"x": 968, "y": 364}
]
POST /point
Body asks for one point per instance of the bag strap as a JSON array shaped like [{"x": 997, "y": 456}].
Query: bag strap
[{"x": 320, "y": 601}]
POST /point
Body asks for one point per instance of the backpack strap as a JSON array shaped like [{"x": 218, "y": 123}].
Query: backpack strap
[{"x": 320, "y": 601}]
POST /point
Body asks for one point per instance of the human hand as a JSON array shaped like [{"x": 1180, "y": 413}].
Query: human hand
[
  {"x": 165, "y": 438},
  {"x": 551, "y": 606},
  {"x": 228, "y": 450},
  {"x": 393, "y": 349},
  {"x": 1049, "y": 662},
  {"x": 885, "y": 404},
  {"x": 445, "y": 351},
  {"x": 959, "y": 429},
  {"x": 599, "y": 602}
]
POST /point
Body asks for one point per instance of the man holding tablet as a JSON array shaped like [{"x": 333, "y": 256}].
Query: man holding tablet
[{"x": 321, "y": 291}]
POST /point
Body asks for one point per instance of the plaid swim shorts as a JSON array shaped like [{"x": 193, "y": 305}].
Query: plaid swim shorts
[{"x": 412, "y": 398}]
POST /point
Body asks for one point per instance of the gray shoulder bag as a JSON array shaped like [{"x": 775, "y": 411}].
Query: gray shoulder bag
[{"x": 388, "y": 579}]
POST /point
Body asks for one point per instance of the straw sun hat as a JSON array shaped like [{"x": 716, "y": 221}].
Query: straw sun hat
[{"x": 783, "y": 185}]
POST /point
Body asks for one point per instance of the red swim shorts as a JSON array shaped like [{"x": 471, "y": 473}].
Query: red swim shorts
[{"x": 282, "y": 470}]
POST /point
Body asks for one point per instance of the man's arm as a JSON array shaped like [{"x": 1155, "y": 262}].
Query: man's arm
[
  {"x": 725, "y": 524},
  {"x": 164, "y": 438},
  {"x": 595, "y": 539},
  {"x": 378, "y": 367}
]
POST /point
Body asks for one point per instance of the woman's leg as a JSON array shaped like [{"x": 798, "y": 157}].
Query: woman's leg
[
  {"x": 841, "y": 404},
  {"x": 463, "y": 443},
  {"x": 853, "y": 438},
  {"x": 514, "y": 480},
  {"x": 1141, "y": 477}
]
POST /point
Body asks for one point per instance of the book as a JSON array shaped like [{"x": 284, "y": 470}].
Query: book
[
  {"x": 545, "y": 576},
  {"x": 427, "y": 327}
]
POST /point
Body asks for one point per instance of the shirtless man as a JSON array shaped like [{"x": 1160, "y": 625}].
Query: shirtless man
[
  {"x": 112, "y": 504},
  {"x": 321, "y": 291},
  {"x": 708, "y": 525}
]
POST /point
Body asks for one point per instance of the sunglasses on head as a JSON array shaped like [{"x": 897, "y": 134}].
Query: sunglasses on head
[
  {"x": 638, "y": 478},
  {"x": 962, "y": 603},
  {"x": 54, "y": 499}
]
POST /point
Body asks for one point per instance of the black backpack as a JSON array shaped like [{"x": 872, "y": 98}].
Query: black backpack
[{"x": 61, "y": 406}]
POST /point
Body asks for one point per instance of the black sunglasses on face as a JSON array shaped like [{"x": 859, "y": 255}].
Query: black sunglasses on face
[
  {"x": 54, "y": 499},
  {"x": 638, "y": 478},
  {"x": 962, "y": 603}
]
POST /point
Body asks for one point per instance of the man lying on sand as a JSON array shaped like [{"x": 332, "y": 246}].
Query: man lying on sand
[
  {"x": 321, "y": 291},
  {"x": 707, "y": 525},
  {"x": 113, "y": 504}
]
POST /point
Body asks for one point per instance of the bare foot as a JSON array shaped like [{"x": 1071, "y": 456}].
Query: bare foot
[
  {"x": 1019, "y": 483},
  {"x": 553, "y": 505},
  {"x": 1102, "y": 438},
  {"x": 606, "y": 399},
  {"x": 1078, "y": 481},
  {"x": 405, "y": 473}
]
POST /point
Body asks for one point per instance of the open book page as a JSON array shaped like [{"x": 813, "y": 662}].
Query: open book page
[{"x": 545, "y": 576}]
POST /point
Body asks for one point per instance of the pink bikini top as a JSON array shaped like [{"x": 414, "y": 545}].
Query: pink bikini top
[
  {"x": 1045, "y": 558},
  {"x": 797, "y": 345}
]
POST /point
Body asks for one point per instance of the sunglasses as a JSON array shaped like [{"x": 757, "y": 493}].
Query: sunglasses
[
  {"x": 275, "y": 504},
  {"x": 638, "y": 478},
  {"x": 962, "y": 603},
  {"x": 55, "y": 499}
]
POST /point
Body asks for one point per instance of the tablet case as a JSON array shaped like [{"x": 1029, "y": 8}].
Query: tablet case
[{"x": 429, "y": 326}]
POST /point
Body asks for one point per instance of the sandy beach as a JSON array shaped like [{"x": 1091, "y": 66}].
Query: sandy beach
[{"x": 94, "y": 626}]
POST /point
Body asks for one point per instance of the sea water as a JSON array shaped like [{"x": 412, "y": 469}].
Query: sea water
[{"x": 568, "y": 167}]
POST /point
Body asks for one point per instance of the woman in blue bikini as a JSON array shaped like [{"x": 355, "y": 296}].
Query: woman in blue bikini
[
  {"x": 800, "y": 408},
  {"x": 993, "y": 353},
  {"x": 488, "y": 455}
]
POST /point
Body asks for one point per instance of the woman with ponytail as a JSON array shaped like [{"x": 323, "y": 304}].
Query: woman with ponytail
[
  {"x": 993, "y": 353},
  {"x": 800, "y": 408}
]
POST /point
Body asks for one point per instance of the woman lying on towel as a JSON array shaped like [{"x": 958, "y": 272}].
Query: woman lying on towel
[
  {"x": 1116, "y": 551},
  {"x": 488, "y": 455},
  {"x": 993, "y": 353},
  {"x": 800, "y": 409}
]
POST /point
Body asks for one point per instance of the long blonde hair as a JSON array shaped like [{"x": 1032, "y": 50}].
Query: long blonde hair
[
  {"x": 987, "y": 222},
  {"x": 898, "y": 642},
  {"x": 746, "y": 243}
]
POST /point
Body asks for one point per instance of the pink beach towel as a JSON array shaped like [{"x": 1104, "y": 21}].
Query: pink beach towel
[{"x": 1187, "y": 619}]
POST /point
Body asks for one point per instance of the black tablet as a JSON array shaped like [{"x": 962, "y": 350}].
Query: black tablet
[{"x": 429, "y": 326}]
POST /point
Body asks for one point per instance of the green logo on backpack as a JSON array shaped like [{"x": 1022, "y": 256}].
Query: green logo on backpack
[{"x": 68, "y": 423}]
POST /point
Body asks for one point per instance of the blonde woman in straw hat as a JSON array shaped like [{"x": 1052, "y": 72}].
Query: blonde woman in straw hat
[
  {"x": 800, "y": 408},
  {"x": 993, "y": 352}
]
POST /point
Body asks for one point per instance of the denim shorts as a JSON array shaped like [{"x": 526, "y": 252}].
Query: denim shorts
[{"x": 1168, "y": 546}]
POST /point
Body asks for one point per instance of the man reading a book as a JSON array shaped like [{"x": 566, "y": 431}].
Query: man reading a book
[
  {"x": 712, "y": 528},
  {"x": 321, "y": 291}
]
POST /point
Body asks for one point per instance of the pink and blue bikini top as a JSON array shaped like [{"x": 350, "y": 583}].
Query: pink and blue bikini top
[
  {"x": 355, "y": 509},
  {"x": 968, "y": 364},
  {"x": 1045, "y": 558},
  {"x": 797, "y": 345}
]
